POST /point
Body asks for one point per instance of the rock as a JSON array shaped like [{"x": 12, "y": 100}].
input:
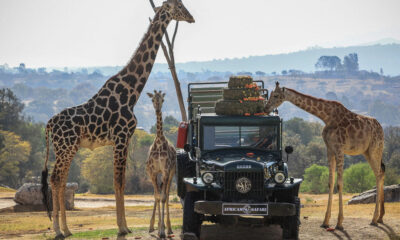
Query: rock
[
  {"x": 31, "y": 194},
  {"x": 392, "y": 194}
]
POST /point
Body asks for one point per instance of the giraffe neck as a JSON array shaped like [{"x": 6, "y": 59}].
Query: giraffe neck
[
  {"x": 318, "y": 107},
  {"x": 130, "y": 81},
  {"x": 159, "y": 124}
]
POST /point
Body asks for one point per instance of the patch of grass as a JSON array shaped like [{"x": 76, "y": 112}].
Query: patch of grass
[
  {"x": 95, "y": 234},
  {"x": 309, "y": 200},
  {"x": 4, "y": 189},
  {"x": 112, "y": 233}
]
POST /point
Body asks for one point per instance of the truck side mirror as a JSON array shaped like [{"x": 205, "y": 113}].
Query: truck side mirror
[
  {"x": 289, "y": 149},
  {"x": 187, "y": 148}
]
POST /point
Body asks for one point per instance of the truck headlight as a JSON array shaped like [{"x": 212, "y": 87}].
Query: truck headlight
[
  {"x": 207, "y": 178},
  {"x": 280, "y": 177}
]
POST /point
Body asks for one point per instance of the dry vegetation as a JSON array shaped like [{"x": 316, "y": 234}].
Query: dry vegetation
[{"x": 100, "y": 223}]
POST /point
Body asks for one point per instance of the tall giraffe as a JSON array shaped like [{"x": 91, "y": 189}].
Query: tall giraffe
[
  {"x": 106, "y": 119},
  {"x": 161, "y": 160},
  {"x": 345, "y": 132}
]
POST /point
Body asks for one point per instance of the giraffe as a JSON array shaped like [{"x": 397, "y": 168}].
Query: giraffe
[
  {"x": 105, "y": 119},
  {"x": 345, "y": 132},
  {"x": 161, "y": 159}
]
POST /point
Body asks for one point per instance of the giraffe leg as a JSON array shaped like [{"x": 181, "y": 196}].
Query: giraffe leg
[
  {"x": 55, "y": 185},
  {"x": 381, "y": 197},
  {"x": 340, "y": 162},
  {"x": 61, "y": 198},
  {"x": 159, "y": 210},
  {"x": 161, "y": 230},
  {"x": 374, "y": 160},
  {"x": 332, "y": 168},
  {"x": 156, "y": 200},
  {"x": 171, "y": 176},
  {"x": 119, "y": 187}
]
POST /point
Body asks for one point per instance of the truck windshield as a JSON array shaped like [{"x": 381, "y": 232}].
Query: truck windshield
[{"x": 261, "y": 137}]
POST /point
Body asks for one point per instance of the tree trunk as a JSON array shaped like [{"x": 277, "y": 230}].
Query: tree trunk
[{"x": 169, "y": 56}]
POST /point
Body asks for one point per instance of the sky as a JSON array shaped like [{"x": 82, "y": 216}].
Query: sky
[{"x": 73, "y": 33}]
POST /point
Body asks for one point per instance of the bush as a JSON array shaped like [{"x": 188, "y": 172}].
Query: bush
[
  {"x": 358, "y": 178},
  {"x": 315, "y": 179}
]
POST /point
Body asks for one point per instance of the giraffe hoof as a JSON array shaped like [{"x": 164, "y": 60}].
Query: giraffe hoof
[
  {"x": 170, "y": 232},
  {"x": 124, "y": 232},
  {"x": 59, "y": 237},
  {"x": 339, "y": 228},
  {"x": 151, "y": 230},
  {"x": 380, "y": 220},
  {"x": 373, "y": 223},
  {"x": 325, "y": 225},
  {"x": 67, "y": 234},
  {"x": 162, "y": 235}
]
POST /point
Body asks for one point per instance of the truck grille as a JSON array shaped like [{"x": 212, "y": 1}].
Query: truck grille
[{"x": 256, "y": 194}]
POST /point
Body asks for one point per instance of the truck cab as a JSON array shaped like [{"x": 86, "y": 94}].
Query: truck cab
[{"x": 232, "y": 170}]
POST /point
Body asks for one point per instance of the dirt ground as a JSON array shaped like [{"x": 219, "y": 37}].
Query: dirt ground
[{"x": 36, "y": 225}]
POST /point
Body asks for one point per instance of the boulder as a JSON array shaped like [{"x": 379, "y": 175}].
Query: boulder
[
  {"x": 30, "y": 194},
  {"x": 392, "y": 194}
]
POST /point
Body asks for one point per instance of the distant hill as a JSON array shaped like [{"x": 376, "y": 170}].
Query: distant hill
[{"x": 372, "y": 57}]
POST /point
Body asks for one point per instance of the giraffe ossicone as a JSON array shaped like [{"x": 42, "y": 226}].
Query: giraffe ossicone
[
  {"x": 345, "y": 132},
  {"x": 106, "y": 119}
]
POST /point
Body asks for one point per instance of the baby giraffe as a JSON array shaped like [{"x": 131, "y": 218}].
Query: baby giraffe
[{"x": 161, "y": 160}]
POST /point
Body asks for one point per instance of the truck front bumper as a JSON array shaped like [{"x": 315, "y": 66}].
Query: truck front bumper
[{"x": 245, "y": 209}]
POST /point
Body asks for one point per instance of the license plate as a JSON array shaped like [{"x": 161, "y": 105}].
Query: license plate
[{"x": 244, "y": 209}]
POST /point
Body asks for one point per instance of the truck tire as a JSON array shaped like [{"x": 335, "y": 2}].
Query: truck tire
[
  {"x": 184, "y": 168},
  {"x": 290, "y": 227},
  {"x": 191, "y": 219}
]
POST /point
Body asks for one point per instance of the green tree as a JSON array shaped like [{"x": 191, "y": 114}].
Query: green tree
[
  {"x": 358, "y": 178},
  {"x": 332, "y": 63},
  {"x": 306, "y": 130},
  {"x": 75, "y": 170},
  {"x": 137, "y": 180},
  {"x": 392, "y": 142},
  {"x": 350, "y": 63},
  {"x": 14, "y": 153},
  {"x": 97, "y": 170},
  {"x": 316, "y": 179},
  {"x": 391, "y": 177},
  {"x": 316, "y": 151},
  {"x": 10, "y": 110}
]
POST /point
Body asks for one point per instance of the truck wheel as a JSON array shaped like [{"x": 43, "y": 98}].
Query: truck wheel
[
  {"x": 291, "y": 226},
  {"x": 191, "y": 219},
  {"x": 184, "y": 168}
]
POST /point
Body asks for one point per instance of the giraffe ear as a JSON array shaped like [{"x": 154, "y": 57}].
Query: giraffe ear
[
  {"x": 157, "y": 8},
  {"x": 277, "y": 84},
  {"x": 163, "y": 94},
  {"x": 150, "y": 95}
]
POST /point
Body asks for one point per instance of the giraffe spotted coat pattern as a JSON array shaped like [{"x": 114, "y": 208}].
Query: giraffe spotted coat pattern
[
  {"x": 106, "y": 119},
  {"x": 161, "y": 162},
  {"x": 345, "y": 132}
]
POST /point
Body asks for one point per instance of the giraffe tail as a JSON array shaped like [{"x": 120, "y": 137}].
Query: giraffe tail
[{"x": 45, "y": 186}]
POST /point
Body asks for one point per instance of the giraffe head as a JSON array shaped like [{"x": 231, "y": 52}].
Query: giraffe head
[
  {"x": 277, "y": 97},
  {"x": 177, "y": 10},
  {"x": 157, "y": 98}
]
